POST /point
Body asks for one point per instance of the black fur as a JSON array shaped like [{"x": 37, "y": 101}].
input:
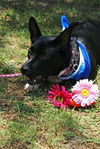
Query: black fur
[{"x": 48, "y": 56}]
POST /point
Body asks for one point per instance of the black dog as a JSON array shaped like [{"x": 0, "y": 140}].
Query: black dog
[{"x": 74, "y": 54}]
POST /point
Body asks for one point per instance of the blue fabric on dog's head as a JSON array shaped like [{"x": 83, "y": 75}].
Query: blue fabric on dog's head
[{"x": 64, "y": 22}]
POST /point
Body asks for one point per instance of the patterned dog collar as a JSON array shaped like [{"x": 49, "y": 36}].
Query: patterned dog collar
[{"x": 79, "y": 68}]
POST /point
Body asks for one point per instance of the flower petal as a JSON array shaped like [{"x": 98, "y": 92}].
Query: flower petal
[{"x": 85, "y": 99}]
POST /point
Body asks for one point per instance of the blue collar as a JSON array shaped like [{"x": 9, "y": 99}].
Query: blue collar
[{"x": 84, "y": 66}]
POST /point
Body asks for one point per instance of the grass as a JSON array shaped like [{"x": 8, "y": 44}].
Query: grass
[{"x": 28, "y": 121}]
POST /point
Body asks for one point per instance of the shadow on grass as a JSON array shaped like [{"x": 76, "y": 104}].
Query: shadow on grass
[{"x": 15, "y": 13}]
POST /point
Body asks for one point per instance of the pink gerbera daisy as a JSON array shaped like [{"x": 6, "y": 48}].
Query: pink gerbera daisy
[
  {"x": 85, "y": 92},
  {"x": 59, "y": 96}
]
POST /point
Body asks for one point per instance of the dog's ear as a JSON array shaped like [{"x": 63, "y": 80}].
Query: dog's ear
[
  {"x": 34, "y": 29},
  {"x": 64, "y": 38}
]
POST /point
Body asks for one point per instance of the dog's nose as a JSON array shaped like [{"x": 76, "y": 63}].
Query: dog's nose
[{"x": 24, "y": 70}]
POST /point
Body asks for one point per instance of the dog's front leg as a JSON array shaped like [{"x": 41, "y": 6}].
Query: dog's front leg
[
  {"x": 31, "y": 86},
  {"x": 35, "y": 84}
]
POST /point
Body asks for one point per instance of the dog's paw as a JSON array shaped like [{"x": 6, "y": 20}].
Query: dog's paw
[{"x": 30, "y": 88}]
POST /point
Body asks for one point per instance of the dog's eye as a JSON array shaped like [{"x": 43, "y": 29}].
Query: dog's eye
[{"x": 43, "y": 57}]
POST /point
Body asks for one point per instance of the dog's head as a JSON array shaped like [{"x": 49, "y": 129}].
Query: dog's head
[{"x": 47, "y": 56}]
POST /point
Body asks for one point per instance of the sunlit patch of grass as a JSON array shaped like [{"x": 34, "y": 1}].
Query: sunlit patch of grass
[
  {"x": 36, "y": 122},
  {"x": 58, "y": 125},
  {"x": 4, "y": 132},
  {"x": 14, "y": 51},
  {"x": 13, "y": 131},
  {"x": 23, "y": 131},
  {"x": 98, "y": 77},
  {"x": 54, "y": 125}
]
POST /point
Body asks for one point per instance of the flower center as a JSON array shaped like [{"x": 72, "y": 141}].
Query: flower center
[
  {"x": 84, "y": 92},
  {"x": 58, "y": 98}
]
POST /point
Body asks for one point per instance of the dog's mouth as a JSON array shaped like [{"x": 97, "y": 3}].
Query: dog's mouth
[
  {"x": 40, "y": 79},
  {"x": 37, "y": 79}
]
